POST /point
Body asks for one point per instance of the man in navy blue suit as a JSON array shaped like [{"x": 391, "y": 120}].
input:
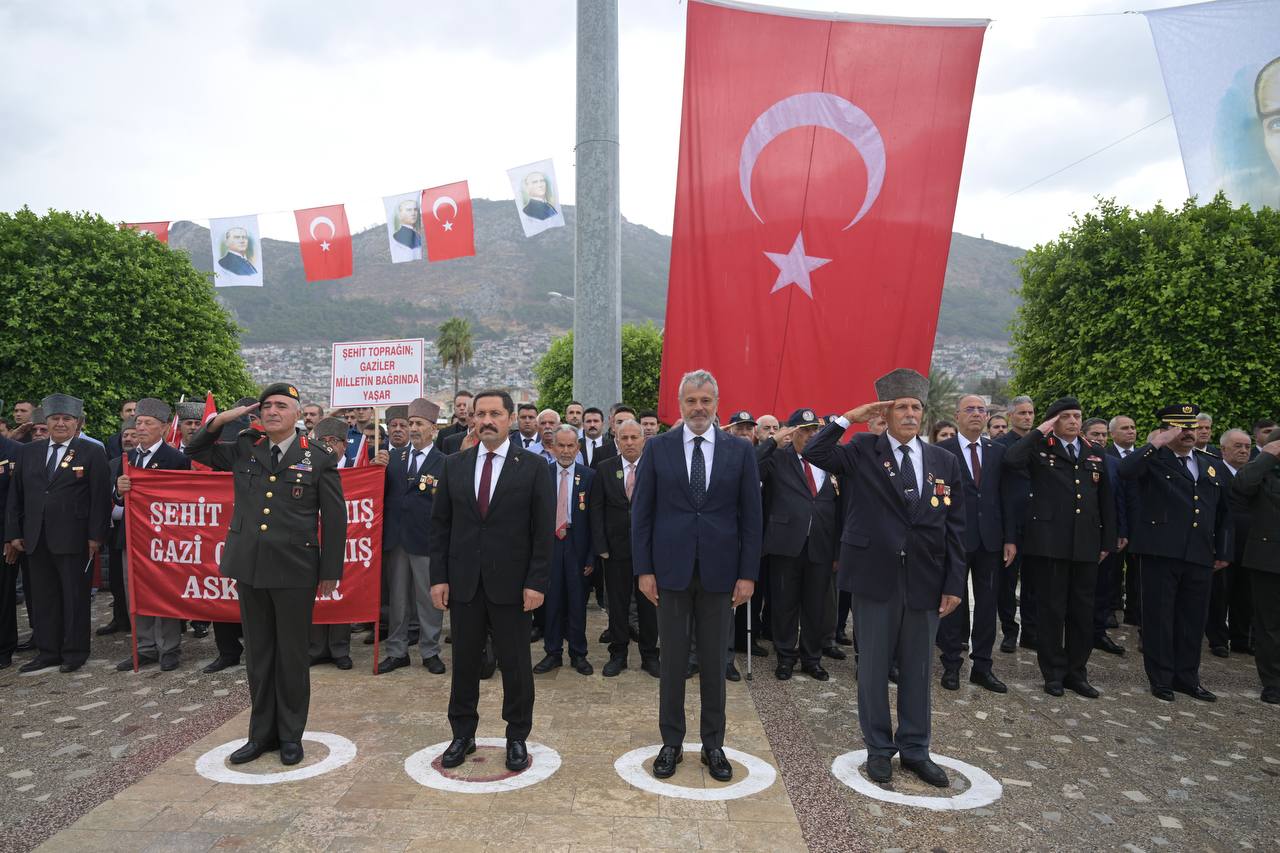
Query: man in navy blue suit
[
  {"x": 902, "y": 556},
  {"x": 989, "y": 539},
  {"x": 571, "y": 563},
  {"x": 695, "y": 534}
]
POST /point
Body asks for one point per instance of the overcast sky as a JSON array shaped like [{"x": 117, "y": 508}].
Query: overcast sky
[{"x": 157, "y": 109}]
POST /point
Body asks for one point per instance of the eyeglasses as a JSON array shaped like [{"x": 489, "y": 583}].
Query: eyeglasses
[{"x": 974, "y": 410}]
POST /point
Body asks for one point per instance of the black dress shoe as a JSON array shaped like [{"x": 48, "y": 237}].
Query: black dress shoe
[
  {"x": 1197, "y": 692},
  {"x": 290, "y": 752},
  {"x": 251, "y": 751},
  {"x": 1270, "y": 695},
  {"x": 1103, "y": 643},
  {"x": 783, "y": 670},
  {"x": 879, "y": 768},
  {"x": 457, "y": 751},
  {"x": 387, "y": 664},
  {"x": 200, "y": 631},
  {"x": 834, "y": 652},
  {"x": 951, "y": 679},
  {"x": 1053, "y": 688},
  {"x": 110, "y": 628},
  {"x": 842, "y": 639},
  {"x": 219, "y": 664},
  {"x": 1081, "y": 687},
  {"x": 343, "y": 662},
  {"x": 548, "y": 663},
  {"x": 614, "y": 667},
  {"x": 606, "y": 636},
  {"x": 987, "y": 680},
  {"x": 38, "y": 663},
  {"x": 168, "y": 661},
  {"x": 517, "y": 755},
  {"x": 26, "y": 645},
  {"x": 691, "y": 671},
  {"x": 1220, "y": 651},
  {"x": 815, "y": 671},
  {"x": 1164, "y": 694},
  {"x": 434, "y": 665},
  {"x": 893, "y": 673},
  {"x": 928, "y": 772},
  {"x": 759, "y": 651},
  {"x": 581, "y": 665},
  {"x": 1009, "y": 644},
  {"x": 731, "y": 672},
  {"x": 652, "y": 666},
  {"x": 127, "y": 664},
  {"x": 664, "y": 766},
  {"x": 72, "y": 667},
  {"x": 717, "y": 765}
]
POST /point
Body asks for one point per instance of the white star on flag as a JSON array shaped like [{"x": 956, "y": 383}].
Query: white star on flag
[
  {"x": 794, "y": 267},
  {"x": 324, "y": 246},
  {"x": 448, "y": 226}
]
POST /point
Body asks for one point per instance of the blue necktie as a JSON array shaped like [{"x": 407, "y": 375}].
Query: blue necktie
[{"x": 698, "y": 472}]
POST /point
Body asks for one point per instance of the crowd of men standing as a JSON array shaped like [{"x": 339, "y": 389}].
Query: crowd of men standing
[{"x": 1046, "y": 534}]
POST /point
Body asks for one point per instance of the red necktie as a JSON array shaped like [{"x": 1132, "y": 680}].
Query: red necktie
[
  {"x": 808, "y": 475},
  {"x": 486, "y": 477},
  {"x": 975, "y": 464}
]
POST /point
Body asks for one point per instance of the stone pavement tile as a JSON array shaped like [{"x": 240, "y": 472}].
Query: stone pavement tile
[
  {"x": 435, "y": 800},
  {"x": 182, "y": 842},
  {"x": 554, "y": 796},
  {"x": 620, "y": 831},
  {"x": 423, "y": 845},
  {"x": 454, "y": 826},
  {"x": 747, "y": 836},
  {"x": 361, "y": 844},
  {"x": 121, "y": 814},
  {"x": 682, "y": 809},
  {"x": 251, "y": 815},
  {"x": 169, "y": 788},
  {"x": 177, "y": 816},
  {"x": 623, "y": 801},
  {"x": 380, "y": 795},
  {"x": 328, "y": 820},
  {"x": 80, "y": 840},
  {"x": 765, "y": 811}
]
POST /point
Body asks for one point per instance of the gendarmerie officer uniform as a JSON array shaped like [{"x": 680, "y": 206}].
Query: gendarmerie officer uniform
[
  {"x": 287, "y": 533},
  {"x": 59, "y": 501},
  {"x": 1182, "y": 525},
  {"x": 1258, "y": 485},
  {"x": 1070, "y": 521},
  {"x": 803, "y": 512}
]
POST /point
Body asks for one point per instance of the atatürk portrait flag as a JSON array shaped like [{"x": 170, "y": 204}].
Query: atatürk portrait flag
[
  {"x": 325, "y": 242},
  {"x": 819, "y": 163},
  {"x": 447, "y": 220}
]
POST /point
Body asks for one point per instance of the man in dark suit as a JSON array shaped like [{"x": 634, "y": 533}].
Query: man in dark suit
[
  {"x": 1070, "y": 527},
  {"x": 1104, "y": 601},
  {"x": 1231, "y": 601},
  {"x": 461, "y": 420},
  {"x": 695, "y": 537},
  {"x": 1014, "y": 603},
  {"x": 413, "y": 476},
  {"x": 492, "y": 525},
  {"x": 57, "y": 512},
  {"x": 571, "y": 565},
  {"x": 1258, "y": 486},
  {"x": 159, "y": 638},
  {"x": 803, "y": 512},
  {"x": 610, "y": 501},
  {"x": 287, "y": 491},
  {"x": 9, "y": 568},
  {"x": 902, "y": 557},
  {"x": 1182, "y": 529},
  {"x": 989, "y": 538},
  {"x": 1204, "y": 435},
  {"x": 594, "y": 446},
  {"x": 1124, "y": 569}
]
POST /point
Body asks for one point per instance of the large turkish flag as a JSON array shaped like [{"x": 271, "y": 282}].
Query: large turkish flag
[
  {"x": 324, "y": 238},
  {"x": 819, "y": 164},
  {"x": 448, "y": 223}
]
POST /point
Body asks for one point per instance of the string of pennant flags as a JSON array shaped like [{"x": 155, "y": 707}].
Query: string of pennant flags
[{"x": 435, "y": 223}]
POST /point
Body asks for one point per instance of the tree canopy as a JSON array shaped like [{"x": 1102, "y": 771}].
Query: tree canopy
[
  {"x": 1130, "y": 311},
  {"x": 456, "y": 346},
  {"x": 641, "y": 369},
  {"x": 107, "y": 314}
]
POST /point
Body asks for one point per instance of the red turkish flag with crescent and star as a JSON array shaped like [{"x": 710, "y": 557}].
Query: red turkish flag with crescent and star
[
  {"x": 159, "y": 230},
  {"x": 819, "y": 163},
  {"x": 325, "y": 242},
  {"x": 446, "y": 218}
]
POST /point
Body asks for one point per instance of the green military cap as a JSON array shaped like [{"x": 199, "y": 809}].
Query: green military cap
[{"x": 279, "y": 389}]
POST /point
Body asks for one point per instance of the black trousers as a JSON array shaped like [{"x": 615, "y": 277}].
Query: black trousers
[
  {"x": 115, "y": 579},
  {"x": 844, "y": 606},
  {"x": 472, "y": 621},
  {"x": 1133, "y": 589},
  {"x": 226, "y": 635},
  {"x": 761, "y": 605},
  {"x": 684, "y": 613},
  {"x": 621, "y": 587},
  {"x": 1230, "y": 609},
  {"x": 983, "y": 568},
  {"x": 60, "y": 586},
  {"x": 1104, "y": 593},
  {"x": 8, "y": 610},
  {"x": 277, "y": 624},
  {"x": 1266, "y": 626},
  {"x": 1012, "y": 602},
  {"x": 799, "y": 590},
  {"x": 1064, "y": 592},
  {"x": 1175, "y": 599},
  {"x": 28, "y": 595}
]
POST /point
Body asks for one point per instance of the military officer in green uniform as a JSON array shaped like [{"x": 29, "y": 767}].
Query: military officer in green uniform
[{"x": 285, "y": 543}]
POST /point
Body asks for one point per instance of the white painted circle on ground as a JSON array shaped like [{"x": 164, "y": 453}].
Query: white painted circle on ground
[
  {"x": 543, "y": 762},
  {"x": 983, "y": 789},
  {"x": 213, "y": 764},
  {"x": 760, "y": 774}
]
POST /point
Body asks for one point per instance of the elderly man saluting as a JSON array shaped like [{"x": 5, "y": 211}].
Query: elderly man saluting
[
  {"x": 902, "y": 556},
  {"x": 282, "y": 483}
]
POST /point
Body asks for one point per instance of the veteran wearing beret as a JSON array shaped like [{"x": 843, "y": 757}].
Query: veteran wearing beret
[{"x": 286, "y": 488}]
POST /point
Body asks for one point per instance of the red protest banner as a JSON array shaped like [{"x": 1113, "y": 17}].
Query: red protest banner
[{"x": 176, "y": 525}]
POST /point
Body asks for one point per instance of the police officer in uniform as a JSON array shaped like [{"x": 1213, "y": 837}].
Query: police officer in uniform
[
  {"x": 1258, "y": 486},
  {"x": 285, "y": 488},
  {"x": 1182, "y": 529},
  {"x": 1070, "y": 526}
]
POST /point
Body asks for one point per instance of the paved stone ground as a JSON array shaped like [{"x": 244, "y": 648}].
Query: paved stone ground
[{"x": 1122, "y": 772}]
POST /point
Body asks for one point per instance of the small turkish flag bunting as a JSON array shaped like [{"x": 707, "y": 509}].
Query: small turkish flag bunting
[
  {"x": 159, "y": 230},
  {"x": 325, "y": 241},
  {"x": 446, "y": 218}
]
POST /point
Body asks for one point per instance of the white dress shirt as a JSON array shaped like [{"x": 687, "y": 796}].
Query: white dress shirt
[
  {"x": 917, "y": 458},
  {"x": 54, "y": 448},
  {"x": 1065, "y": 444},
  {"x": 1124, "y": 451},
  {"x": 708, "y": 450},
  {"x": 148, "y": 453},
  {"x": 819, "y": 476},
  {"x": 590, "y": 445},
  {"x": 499, "y": 456},
  {"x": 968, "y": 456},
  {"x": 425, "y": 451},
  {"x": 1191, "y": 465}
]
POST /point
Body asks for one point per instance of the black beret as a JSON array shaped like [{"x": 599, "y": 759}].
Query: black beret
[
  {"x": 1062, "y": 405},
  {"x": 279, "y": 389}
]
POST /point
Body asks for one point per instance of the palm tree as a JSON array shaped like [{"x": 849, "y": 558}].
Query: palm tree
[
  {"x": 944, "y": 392},
  {"x": 455, "y": 346}
]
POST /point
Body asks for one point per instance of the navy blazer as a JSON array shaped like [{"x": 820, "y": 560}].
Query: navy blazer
[
  {"x": 989, "y": 516},
  {"x": 579, "y": 534},
  {"x": 9, "y": 450},
  {"x": 67, "y": 511},
  {"x": 669, "y": 534},
  {"x": 1177, "y": 517},
  {"x": 882, "y": 536},
  {"x": 406, "y": 514}
]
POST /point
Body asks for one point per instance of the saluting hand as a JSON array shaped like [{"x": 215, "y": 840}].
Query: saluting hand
[
  {"x": 867, "y": 411},
  {"x": 224, "y": 418},
  {"x": 1047, "y": 427},
  {"x": 1162, "y": 436},
  {"x": 1272, "y": 447},
  {"x": 783, "y": 436}
]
